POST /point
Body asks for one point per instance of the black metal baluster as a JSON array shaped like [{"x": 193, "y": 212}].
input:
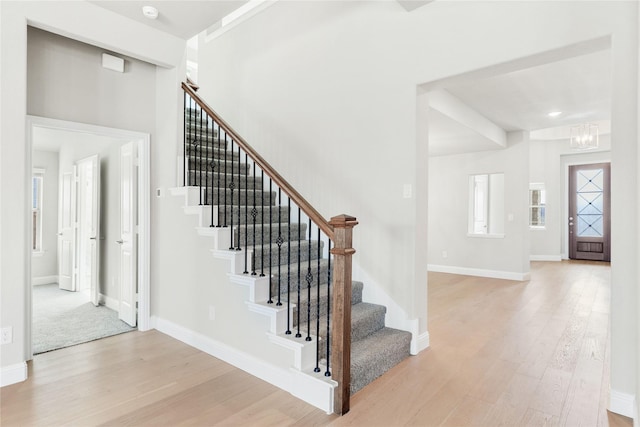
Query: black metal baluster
[
  {"x": 328, "y": 344},
  {"x": 238, "y": 248},
  {"x": 288, "y": 332},
  {"x": 206, "y": 165},
  {"x": 270, "y": 238},
  {"x": 309, "y": 280},
  {"x": 218, "y": 187},
  {"x": 254, "y": 214},
  {"x": 198, "y": 158},
  {"x": 317, "y": 368},
  {"x": 184, "y": 136},
  {"x": 231, "y": 188},
  {"x": 298, "y": 334},
  {"x": 262, "y": 222},
  {"x": 246, "y": 214},
  {"x": 214, "y": 169},
  {"x": 279, "y": 242},
  {"x": 226, "y": 206}
]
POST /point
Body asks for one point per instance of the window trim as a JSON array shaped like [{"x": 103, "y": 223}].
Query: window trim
[{"x": 541, "y": 187}]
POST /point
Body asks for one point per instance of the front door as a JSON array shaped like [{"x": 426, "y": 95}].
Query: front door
[{"x": 589, "y": 212}]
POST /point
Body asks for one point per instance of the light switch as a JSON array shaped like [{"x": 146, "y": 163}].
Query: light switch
[{"x": 407, "y": 191}]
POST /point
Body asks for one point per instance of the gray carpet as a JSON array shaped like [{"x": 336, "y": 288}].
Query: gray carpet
[{"x": 62, "y": 319}]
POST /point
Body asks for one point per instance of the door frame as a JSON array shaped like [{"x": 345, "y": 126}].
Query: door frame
[
  {"x": 574, "y": 159},
  {"x": 606, "y": 213},
  {"x": 144, "y": 204}
]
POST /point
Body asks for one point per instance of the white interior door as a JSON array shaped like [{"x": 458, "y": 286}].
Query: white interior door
[
  {"x": 128, "y": 235},
  {"x": 89, "y": 226},
  {"x": 67, "y": 233}
]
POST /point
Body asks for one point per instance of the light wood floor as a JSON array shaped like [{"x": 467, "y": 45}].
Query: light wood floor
[{"x": 502, "y": 353}]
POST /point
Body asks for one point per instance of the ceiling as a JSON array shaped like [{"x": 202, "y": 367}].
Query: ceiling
[
  {"x": 187, "y": 18},
  {"x": 183, "y": 19},
  {"x": 579, "y": 87}
]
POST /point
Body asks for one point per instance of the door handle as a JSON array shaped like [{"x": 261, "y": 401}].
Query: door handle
[
  {"x": 93, "y": 238},
  {"x": 119, "y": 242}
]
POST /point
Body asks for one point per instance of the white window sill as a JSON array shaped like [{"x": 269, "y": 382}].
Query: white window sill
[
  {"x": 537, "y": 228},
  {"x": 37, "y": 253},
  {"x": 486, "y": 236}
]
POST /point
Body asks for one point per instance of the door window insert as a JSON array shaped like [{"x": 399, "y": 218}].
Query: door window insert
[{"x": 589, "y": 201}]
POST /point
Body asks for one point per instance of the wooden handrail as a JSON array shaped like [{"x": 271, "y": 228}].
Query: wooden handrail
[{"x": 300, "y": 201}]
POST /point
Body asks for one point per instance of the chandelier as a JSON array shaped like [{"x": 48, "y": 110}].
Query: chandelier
[{"x": 584, "y": 137}]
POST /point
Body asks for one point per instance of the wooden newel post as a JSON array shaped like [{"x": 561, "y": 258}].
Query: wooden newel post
[{"x": 341, "y": 310}]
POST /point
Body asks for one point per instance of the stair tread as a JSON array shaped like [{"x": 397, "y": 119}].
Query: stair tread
[
  {"x": 356, "y": 293},
  {"x": 379, "y": 340},
  {"x": 364, "y": 309},
  {"x": 375, "y": 354}
]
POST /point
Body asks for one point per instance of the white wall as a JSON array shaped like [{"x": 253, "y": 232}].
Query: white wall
[
  {"x": 548, "y": 160},
  {"x": 449, "y": 212},
  {"x": 304, "y": 80},
  {"x": 94, "y": 25},
  {"x": 66, "y": 81},
  {"x": 45, "y": 265}
]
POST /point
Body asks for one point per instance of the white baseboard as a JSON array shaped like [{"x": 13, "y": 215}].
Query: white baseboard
[
  {"x": 13, "y": 374},
  {"x": 623, "y": 404},
  {"x": 110, "y": 302},
  {"x": 495, "y": 274},
  {"x": 44, "y": 280},
  {"x": 317, "y": 392},
  {"x": 545, "y": 257},
  {"x": 419, "y": 343}
]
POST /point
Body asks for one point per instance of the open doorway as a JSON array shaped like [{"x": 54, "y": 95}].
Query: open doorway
[
  {"x": 518, "y": 119},
  {"x": 90, "y": 275}
]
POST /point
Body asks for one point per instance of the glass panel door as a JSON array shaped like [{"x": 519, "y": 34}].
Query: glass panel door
[{"x": 589, "y": 218}]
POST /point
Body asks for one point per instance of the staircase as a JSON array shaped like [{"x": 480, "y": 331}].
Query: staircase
[{"x": 268, "y": 236}]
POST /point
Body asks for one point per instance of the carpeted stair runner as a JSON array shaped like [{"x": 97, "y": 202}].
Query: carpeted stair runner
[{"x": 213, "y": 166}]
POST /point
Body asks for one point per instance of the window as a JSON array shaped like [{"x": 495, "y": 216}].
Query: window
[
  {"x": 37, "y": 181},
  {"x": 486, "y": 205},
  {"x": 537, "y": 205}
]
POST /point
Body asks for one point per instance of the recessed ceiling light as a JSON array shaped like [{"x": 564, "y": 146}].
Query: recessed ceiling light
[
  {"x": 150, "y": 12},
  {"x": 554, "y": 113}
]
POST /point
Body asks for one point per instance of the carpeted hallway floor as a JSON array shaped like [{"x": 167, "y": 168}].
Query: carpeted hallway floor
[{"x": 62, "y": 319}]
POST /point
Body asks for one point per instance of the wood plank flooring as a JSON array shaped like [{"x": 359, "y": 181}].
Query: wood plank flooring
[{"x": 502, "y": 353}]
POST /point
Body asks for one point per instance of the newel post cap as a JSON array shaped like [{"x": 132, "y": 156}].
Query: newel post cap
[{"x": 343, "y": 221}]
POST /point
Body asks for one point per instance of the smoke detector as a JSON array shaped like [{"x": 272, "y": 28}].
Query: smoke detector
[{"x": 150, "y": 12}]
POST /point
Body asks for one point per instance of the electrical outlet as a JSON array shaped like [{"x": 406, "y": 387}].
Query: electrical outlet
[
  {"x": 212, "y": 313},
  {"x": 6, "y": 335},
  {"x": 444, "y": 254}
]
